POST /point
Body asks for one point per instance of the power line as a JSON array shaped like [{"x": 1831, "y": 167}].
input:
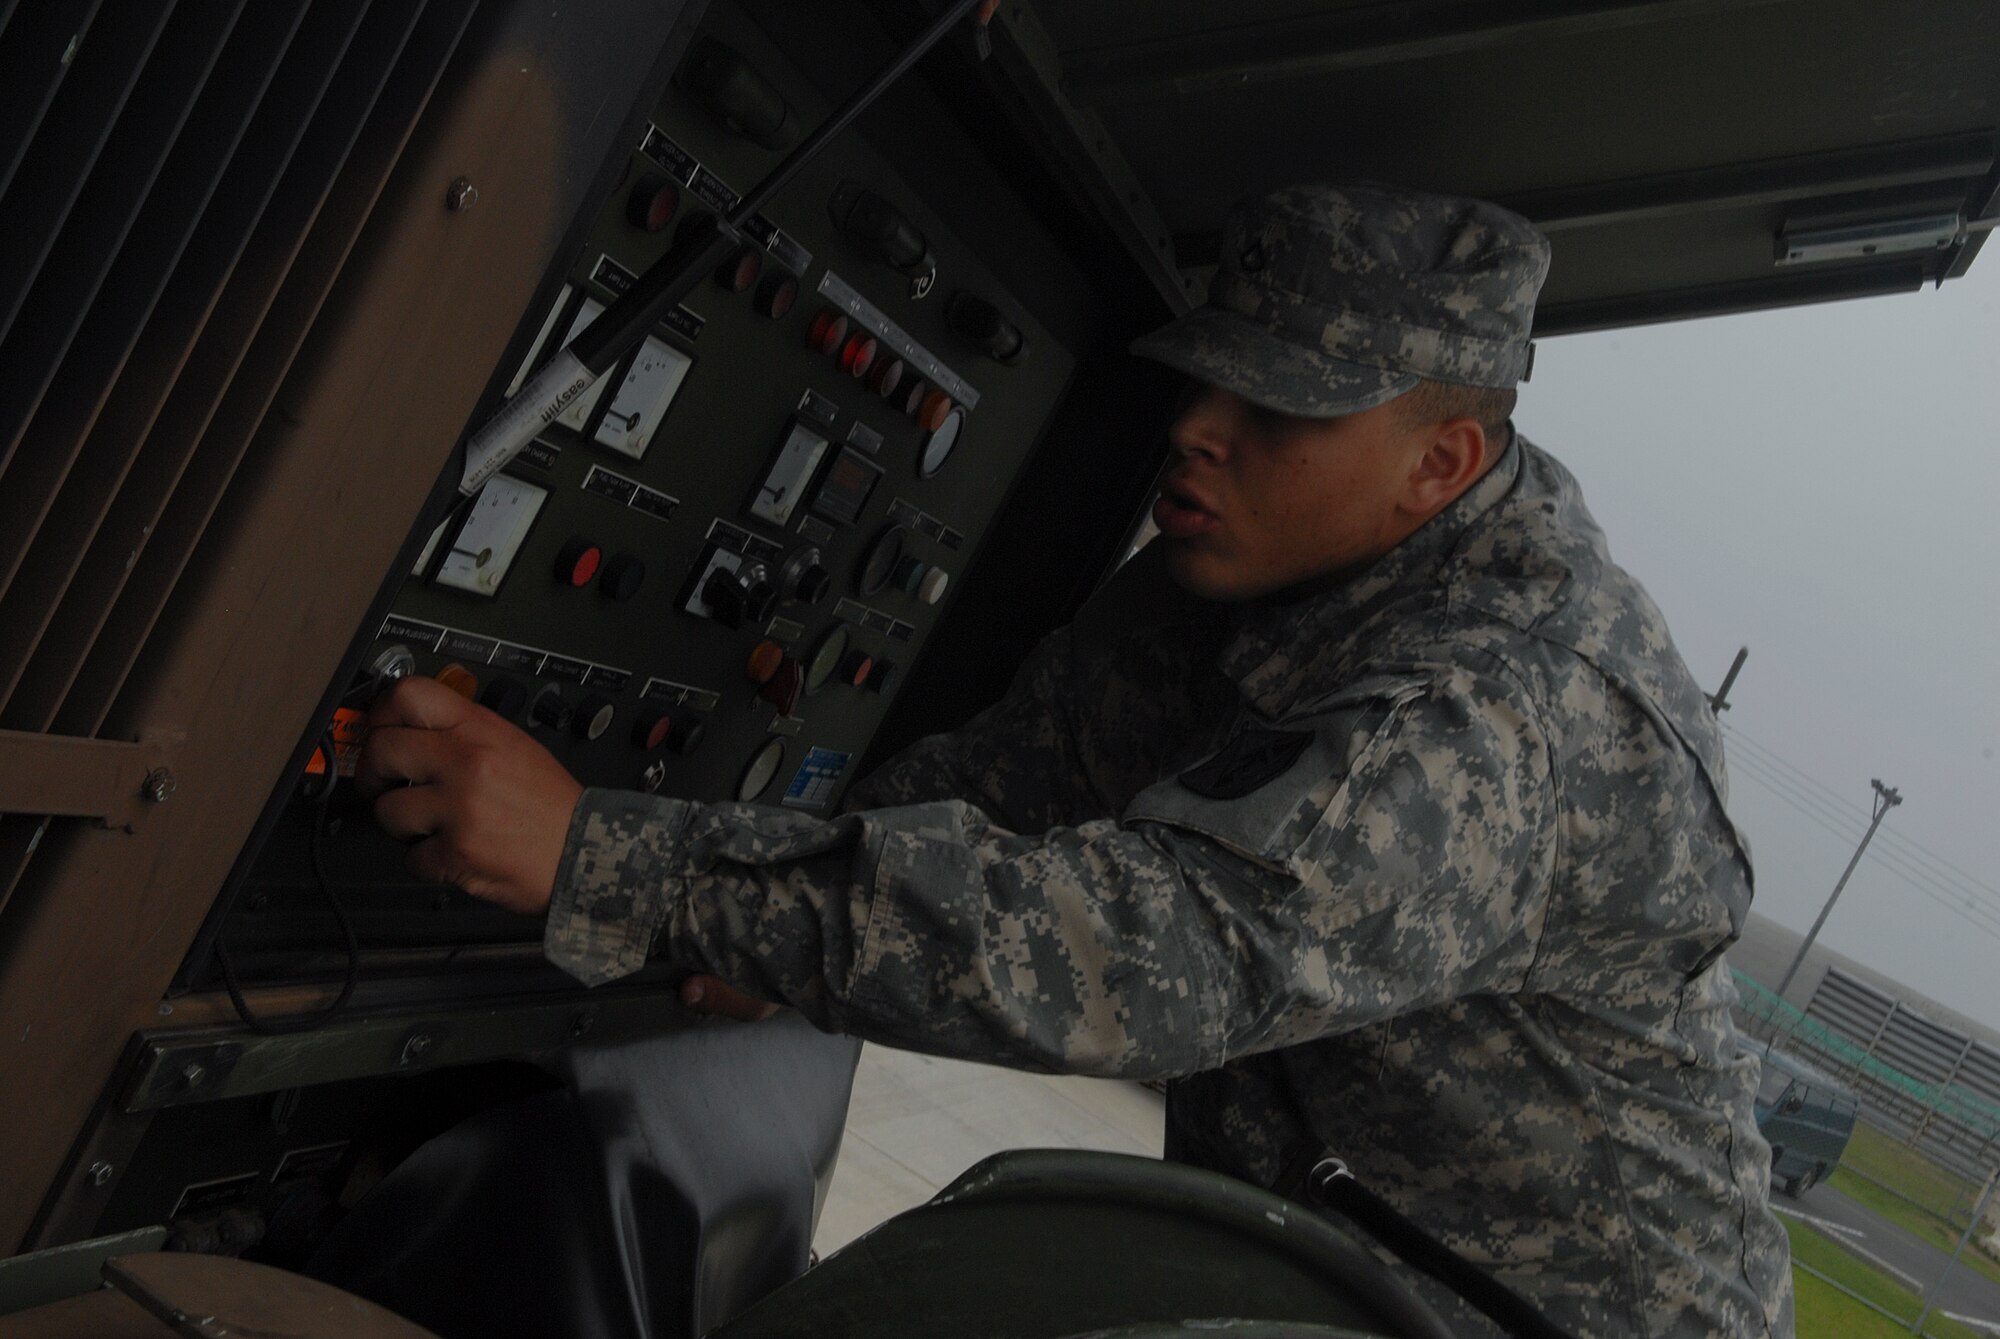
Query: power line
[
  {"x": 1914, "y": 874},
  {"x": 1914, "y": 849},
  {"x": 1946, "y": 900}
]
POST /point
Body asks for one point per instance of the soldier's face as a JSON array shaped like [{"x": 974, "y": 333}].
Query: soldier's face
[{"x": 1257, "y": 501}]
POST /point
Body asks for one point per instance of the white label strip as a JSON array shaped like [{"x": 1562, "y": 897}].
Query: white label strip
[{"x": 842, "y": 295}]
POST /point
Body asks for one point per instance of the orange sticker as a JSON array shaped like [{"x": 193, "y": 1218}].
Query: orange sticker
[{"x": 350, "y": 727}]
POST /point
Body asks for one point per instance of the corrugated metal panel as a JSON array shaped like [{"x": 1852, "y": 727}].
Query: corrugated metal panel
[{"x": 184, "y": 189}]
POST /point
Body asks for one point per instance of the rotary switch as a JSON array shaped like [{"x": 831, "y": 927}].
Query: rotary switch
[
  {"x": 914, "y": 576},
  {"x": 551, "y": 709},
  {"x": 981, "y": 323},
  {"x": 803, "y": 577},
  {"x": 739, "y": 597}
]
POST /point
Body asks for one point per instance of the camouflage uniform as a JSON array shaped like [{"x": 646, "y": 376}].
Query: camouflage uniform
[{"x": 1429, "y": 867}]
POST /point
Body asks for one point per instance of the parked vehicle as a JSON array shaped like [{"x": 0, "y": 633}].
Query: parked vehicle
[{"x": 1808, "y": 1117}]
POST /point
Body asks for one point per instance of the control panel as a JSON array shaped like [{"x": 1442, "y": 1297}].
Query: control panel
[{"x": 709, "y": 576}]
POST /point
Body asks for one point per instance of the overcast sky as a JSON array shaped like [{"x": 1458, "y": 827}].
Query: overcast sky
[{"x": 1823, "y": 485}]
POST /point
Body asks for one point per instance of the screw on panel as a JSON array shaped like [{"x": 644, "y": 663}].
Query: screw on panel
[
  {"x": 414, "y": 1048},
  {"x": 193, "y": 1074},
  {"x": 461, "y": 195},
  {"x": 100, "y": 1173},
  {"x": 159, "y": 785}
]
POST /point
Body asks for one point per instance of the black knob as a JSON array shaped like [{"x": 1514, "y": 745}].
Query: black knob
[
  {"x": 592, "y": 717},
  {"x": 550, "y": 709},
  {"x": 723, "y": 594},
  {"x": 737, "y": 95},
  {"x": 981, "y": 323},
  {"x": 881, "y": 228},
  {"x": 812, "y": 585},
  {"x": 622, "y": 576},
  {"x": 759, "y": 599},
  {"x": 776, "y": 296},
  {"x": 505, "y": 696}
]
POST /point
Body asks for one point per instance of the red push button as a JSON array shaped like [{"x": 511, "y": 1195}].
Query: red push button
[
  {"x": 829, "y": 328},
  {"x": 578, "y": 561},
  {"x": 858, "y": 355},
  {"x": 886, "y": 377},
  {"x": 740, "y": 271},
  {"x": 652, "y": 203}
]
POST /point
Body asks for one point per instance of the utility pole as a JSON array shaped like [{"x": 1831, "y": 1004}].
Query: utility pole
[
  {"x": 1718, "y": 701},
  {"x": 1886, "y": 798}
]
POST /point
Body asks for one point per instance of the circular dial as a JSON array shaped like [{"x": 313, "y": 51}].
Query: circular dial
[
  {"x": 826, "y": 657},
  {"x": 762, "y": 769},
  {"x": 938, "y": 446}
]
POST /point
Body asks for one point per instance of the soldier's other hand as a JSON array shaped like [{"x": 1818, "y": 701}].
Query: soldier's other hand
[
  {"x": 712, "y": 995},
  {"x": 487, "y": 807}
]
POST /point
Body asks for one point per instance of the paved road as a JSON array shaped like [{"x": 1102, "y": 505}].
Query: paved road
[{"x": 1968, "y": 1296}]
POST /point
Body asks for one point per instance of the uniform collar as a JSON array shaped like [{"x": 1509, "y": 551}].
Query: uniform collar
[{"x": 1280, "y": 645}]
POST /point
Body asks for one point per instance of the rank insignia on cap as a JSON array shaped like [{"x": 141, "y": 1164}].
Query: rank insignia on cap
[{"x": 1246, "y": 763}]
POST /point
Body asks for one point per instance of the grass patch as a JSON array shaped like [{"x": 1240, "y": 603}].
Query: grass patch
[
  {"x": 1879, "y": 1157},
  {"x": 1825, "y": 1312}
]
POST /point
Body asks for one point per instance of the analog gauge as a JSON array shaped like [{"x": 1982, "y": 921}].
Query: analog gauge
[
  {"x": 644, "y": 395},
  {"x": 825, "y": 659},
  {"x": 763, "y": 768},
  {"x": 785, "y": 485},
  {"x": 491, "y": 538},
  {"x": 938, "y": 446}
]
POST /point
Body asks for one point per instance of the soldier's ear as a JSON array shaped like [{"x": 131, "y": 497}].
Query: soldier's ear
[{"x": 1454, "y": 456}]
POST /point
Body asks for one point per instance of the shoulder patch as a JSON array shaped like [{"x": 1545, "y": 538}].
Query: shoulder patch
[{"x": 1246, "y": 763}]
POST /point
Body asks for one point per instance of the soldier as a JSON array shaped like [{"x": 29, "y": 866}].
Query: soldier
[{"x": 1371, "y": 804}]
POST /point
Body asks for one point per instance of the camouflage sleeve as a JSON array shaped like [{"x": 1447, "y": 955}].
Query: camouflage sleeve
[
  {"x": 1399, "y": 858},
  {"x": 1015, "y": 761}
]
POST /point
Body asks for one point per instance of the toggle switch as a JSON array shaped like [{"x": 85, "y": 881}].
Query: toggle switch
[{"x": 881, "y": 229}]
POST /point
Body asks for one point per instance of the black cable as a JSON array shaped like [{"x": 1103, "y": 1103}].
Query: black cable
[{"x": 316, "y": 855}]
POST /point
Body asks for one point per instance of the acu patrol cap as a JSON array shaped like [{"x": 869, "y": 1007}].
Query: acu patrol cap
[{"x": 1334, "y": 299}]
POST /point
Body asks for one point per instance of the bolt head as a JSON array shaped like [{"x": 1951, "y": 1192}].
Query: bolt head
[
  {"x": 193, "y": 1075},
  {"x": 100, "y": 1173},
  {"x": 159, "y": 785},
  {"x": 461, "y": 195}
]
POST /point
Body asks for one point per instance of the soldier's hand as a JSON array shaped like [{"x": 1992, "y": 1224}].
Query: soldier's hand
[
  {"x": 712, "y": 995},
  {"x": 487, "y": 807}
]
